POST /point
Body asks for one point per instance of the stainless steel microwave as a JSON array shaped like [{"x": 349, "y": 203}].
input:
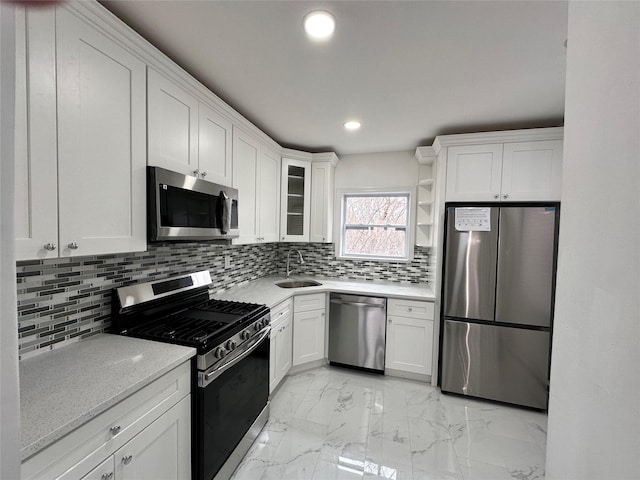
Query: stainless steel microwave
[{"x": 181, "y": 207}]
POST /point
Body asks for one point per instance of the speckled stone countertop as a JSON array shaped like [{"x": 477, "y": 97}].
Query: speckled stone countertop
[
  {"x": 265, "y": 291},
  {"x": 62, "y": 389}
]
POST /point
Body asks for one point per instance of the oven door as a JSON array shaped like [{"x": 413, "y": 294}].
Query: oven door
[{"x": 229, "y": 399}]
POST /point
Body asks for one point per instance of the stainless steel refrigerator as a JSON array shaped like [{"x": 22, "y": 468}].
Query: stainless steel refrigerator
[{"x": 498, "y": 292}]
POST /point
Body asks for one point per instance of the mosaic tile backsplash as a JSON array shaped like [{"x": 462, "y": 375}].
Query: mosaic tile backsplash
[{"x": 66, "y": 300}]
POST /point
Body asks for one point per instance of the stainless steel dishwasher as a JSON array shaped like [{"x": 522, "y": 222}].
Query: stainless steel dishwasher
[{"x": 357, "y": 331}]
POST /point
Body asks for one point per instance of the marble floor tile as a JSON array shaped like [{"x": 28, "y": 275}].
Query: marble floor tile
[{"x": 339, "y": 424}]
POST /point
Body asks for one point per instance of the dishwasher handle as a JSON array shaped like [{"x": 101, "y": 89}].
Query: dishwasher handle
[{"x": 358, "y": 304}]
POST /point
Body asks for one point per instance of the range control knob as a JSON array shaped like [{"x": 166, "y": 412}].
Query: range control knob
[
  {"x": 230, "y": 345},
  {"x": 219, "y": 352},
  {"x": 258, "y": 325},
  {"x": 245, "y": 335}
]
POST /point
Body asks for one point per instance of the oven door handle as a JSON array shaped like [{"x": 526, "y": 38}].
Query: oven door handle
[{"x": 219, "y": 370}]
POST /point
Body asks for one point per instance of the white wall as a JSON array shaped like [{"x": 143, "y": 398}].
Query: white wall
[
  {"x": 9, "y": 396},
  {"x": 392, "y": 169},
  {"x": 594, "y": 409}
]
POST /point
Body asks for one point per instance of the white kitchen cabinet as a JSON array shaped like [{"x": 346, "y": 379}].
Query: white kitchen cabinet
[
  {"x": 514, "y": 171},
  {"x": 268, "y": 206},
  {"x": 185, "y": 135},
  {"x": 409, "y": 344},
  {"x": 281, "y": 343},
  {"x": 322, "y": 195},
  {"x": 256, "y": 175},
  {"x": 309, "y": 318},
  {"x": 296, "y": 197},
  {"x": 95, "y": 178},
  {"x": 162, "y": 450},
  {"x": 214, "y": 146},
  {"x": 152, "y": 425},
  {"x": 173, "y": 125}
]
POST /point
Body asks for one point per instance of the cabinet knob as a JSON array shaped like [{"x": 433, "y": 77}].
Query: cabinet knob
[
  {"x": 115, "y": 430},
  {"x": 73, "y": 246},
  {"x": 127, "y": 459},
  {"x": 496, "y": 196},
  {"x": 506, "y": 195},
  {"x": 107, "y": 476},
  {"x": 196, "y": 172},
  {"x": 50, "y": 246},
  {"x": 390, "y": 321},
  {"x": 409, "y": 309},
  {"x": 203, "y": 174}
]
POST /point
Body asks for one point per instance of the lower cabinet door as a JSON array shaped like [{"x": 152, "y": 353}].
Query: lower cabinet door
[
  {"x": 283, "y": 352},
  {"x": 104, "y": 471},
  {"x": 160, "y": 451},
  {"x": 409, "y": 344},
  {"x": 308, "y": 336}
]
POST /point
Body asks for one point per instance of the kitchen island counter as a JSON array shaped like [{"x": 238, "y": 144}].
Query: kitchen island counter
[
  {"x": 62, "y": 389},
  {"x": 265, "y": 291}
]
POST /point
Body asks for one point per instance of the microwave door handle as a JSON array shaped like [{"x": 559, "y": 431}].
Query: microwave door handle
[{"x": 225, "y": 220}]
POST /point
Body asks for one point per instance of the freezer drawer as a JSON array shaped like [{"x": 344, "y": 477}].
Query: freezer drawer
[
  {"x": 357, "y": 330},
  {"x": 497, "y": 363}
]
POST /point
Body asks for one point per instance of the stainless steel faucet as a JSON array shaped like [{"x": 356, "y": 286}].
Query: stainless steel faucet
[{"x": 288, "y": 261}]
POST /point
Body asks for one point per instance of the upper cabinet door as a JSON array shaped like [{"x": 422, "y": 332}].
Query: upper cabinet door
[
  {"x": 101, "y": 142},
  {"x": 36, "y": 187},
  {"x": 269, "y": 196},
  {"x": 295, "y": 202},
  {"x": 532, "y": 171},
  {"x": 173, "y": 126},
  {"x": 245, "y": 171},
  {"x": 322, "y": 176},
  {"x": 474, "y": 173},
  {"x": 214, "y": 146}
]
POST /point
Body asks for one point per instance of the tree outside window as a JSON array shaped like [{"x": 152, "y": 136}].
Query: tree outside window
[{"x": 375, "y": 225}]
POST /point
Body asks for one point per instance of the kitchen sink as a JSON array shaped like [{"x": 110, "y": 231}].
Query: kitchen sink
[{"x": 298, "y": 283}]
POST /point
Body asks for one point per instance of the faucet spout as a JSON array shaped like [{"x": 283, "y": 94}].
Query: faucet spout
[{"x": 300, "y": 259}]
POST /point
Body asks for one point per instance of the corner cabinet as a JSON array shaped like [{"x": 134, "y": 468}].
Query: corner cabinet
[
  {"x": 409, "y": 343},
  {"x": 295, "y": 201},
  {"x": 322, "y": 195},
  {"x": 256, "y": 175},
  {"x": 186, "y": 135},
  {"x": 509, "y": 170},
  {"x": 80, "y": 139}
]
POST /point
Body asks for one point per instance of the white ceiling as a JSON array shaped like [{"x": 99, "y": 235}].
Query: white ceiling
[{"x": 408, "y": 70}]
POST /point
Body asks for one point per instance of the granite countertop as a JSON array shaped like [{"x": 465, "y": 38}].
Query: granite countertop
[
  {"x": 265, "y": 291},
  {"x": 62, "y": 389}
]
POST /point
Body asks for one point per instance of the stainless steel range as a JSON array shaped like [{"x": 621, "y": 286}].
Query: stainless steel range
[{"x": 230, "y": 386}]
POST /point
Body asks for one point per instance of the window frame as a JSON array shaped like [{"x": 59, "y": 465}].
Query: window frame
[{"x": 339, "y": 225}]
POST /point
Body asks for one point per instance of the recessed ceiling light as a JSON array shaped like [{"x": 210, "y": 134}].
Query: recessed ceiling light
[
  {"x": 319, "y": 25},
  {"x": 352, "y": 125}
]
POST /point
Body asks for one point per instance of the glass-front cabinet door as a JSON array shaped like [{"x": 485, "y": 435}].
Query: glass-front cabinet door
[{"x": 296, "y": 200}]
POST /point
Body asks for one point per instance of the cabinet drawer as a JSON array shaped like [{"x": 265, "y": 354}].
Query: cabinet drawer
[
  {"x": 280, "y": 312},
  {"x": 305, "y": 303},
  {"x": 410, "y": 308},
  {"x": 88, "y": 445}
]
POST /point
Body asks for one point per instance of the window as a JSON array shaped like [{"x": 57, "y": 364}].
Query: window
[{"x": 375, "y": 225}]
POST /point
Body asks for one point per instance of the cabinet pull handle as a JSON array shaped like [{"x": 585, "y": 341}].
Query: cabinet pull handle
[
  {"x": 107, "y": 476},
  {"x": 50, "y": 246},
  {"x": 127, "y": 459},
  {"x": 73, "y": 246},
  {"x": 115, "y": 430}
]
